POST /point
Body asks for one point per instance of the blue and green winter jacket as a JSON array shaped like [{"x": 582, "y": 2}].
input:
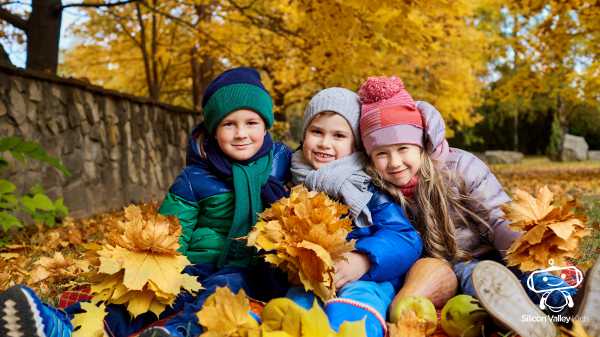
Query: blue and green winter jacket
[{"x": 204, "y": 204}]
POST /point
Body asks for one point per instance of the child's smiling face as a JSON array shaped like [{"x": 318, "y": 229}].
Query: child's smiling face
[
  {"x": 397, "y": 163},
  {"x": 328, "y": 137},
  {"x": 241, "y": 134}
]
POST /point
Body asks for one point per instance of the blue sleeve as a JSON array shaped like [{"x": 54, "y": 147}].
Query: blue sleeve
[{"x": 391, "y": 243}]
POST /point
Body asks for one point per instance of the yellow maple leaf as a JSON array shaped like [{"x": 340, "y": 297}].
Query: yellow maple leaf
[
  {"x": 57, "y": 267},
  {"x": 227, "y": 315},
  {"x": 304, "y": 235},
  {"x": 91, "y": 322},
  {"x": 143, "y": 268},
  {"x": 148, "y": 232},
  {"x": 550, "y": 232},
  {"x": 282, "y": 314},
  {"x": 526, "y": 209}
]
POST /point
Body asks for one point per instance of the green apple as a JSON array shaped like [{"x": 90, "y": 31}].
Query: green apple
[
  {"x": 420, "y": 305},
  {"x": 463, "y": 316}
]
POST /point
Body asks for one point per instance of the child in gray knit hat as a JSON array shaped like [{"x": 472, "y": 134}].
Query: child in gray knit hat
[{"x": 386, "y": 246}]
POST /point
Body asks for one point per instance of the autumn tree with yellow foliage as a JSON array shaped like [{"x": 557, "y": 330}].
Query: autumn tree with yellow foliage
[
  {"x": 160, "y": 48},
  {"x": 546, "y": 62}
]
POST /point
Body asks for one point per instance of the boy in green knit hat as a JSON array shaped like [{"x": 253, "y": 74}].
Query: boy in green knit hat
[{"x": 234, "y": 171}]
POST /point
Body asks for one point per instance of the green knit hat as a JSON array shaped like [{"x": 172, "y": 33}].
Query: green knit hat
[{"x": 235, "y": 89}]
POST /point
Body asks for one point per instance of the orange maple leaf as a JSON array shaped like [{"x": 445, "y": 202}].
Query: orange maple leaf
[{"x": 549, "y": 232}]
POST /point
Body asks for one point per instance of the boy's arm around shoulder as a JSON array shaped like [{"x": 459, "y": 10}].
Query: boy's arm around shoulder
[
  {"x": 181, "y": 202},
  {"x": 484, "y": 189},
  {"x": 392, "y": 244}
]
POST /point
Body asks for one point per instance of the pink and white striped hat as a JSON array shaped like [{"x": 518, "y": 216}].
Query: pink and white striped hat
[{"x": 389, "y": 114}]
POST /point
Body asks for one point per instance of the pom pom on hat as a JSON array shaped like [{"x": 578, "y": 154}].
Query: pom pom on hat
[{"x": 378, "y": 88}]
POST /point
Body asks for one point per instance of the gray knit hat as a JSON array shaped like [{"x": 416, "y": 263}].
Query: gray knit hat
[{"x": 339, "y": 100}]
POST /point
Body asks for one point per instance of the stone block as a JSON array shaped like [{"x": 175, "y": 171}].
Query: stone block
[
  {"x": 111, "y": 112},
  {"x": 574, "y": 148},
  {"x": 74, "y": 163},
  {"x": 89, "y": 171},
  {"x": 503, "y": 157},
  {"x": 18, "y": 107},
  {"x": 35, "y": 92},
  {"x": 77, "y": 198},
  {"x": 75, "y": 114},
  {"x": 91, "y": 109},
  {"x": 594, "y": 155},
  {"x": 3, "y": 110},
  {"x": 57, "y": 91}
]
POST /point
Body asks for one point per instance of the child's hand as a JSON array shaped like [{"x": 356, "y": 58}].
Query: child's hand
[{"x": 353, "y": 267}]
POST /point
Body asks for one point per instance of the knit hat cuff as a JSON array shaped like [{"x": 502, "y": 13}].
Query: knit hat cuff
[
  {"x": 397, "y": 134},
  {"x": 235, "y": 97}
]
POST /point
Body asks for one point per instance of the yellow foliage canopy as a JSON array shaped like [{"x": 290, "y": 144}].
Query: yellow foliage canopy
[
  {"x": 304, "y": 235},
  {"x": 299, "y": 46}
]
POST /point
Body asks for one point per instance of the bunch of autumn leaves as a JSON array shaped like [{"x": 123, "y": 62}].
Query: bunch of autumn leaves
[
  {"x": 551, "y": 234},
  {"x": 141, "y": 269}
]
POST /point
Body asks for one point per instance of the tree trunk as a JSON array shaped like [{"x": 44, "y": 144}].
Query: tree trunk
[
  {"x": 4, "y": 59},
  {"x": 516, "y": 131},
  {"x": 202, "y": 73},
  {"x": 43, "y": 35}
]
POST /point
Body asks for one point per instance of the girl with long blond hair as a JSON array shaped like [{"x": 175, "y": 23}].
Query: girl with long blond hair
[{"x": 453, "y": 200}]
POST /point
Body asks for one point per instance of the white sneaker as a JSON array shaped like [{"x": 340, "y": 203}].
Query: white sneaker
[
  {"x": 589, "y": 309},
  {"x": 503, "y": 296}
]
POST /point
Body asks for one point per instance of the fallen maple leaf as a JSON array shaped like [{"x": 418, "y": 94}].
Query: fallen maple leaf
[
  {"x": 304, "y": 235},
  {"x": 550, "y": 233},
  {"x": 91, "y": 322},
  {"x": 143, "y": 269},
  {"x": 57, "y": 268},
  {"x": 227, "y": 315},
  {"x": 283, "y": 315}
]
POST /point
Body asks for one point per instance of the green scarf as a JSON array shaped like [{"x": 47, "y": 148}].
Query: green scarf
[{"x": 247, "y": 183}]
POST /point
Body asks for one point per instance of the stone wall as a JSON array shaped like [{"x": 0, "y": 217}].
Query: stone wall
[{"x": 118, "y": 148}]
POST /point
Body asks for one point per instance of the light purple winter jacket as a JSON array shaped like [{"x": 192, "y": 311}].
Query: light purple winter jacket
[{"x": 479, "y": 183}]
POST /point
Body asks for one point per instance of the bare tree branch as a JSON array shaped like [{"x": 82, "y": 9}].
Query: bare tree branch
[
  {"x": 145, "y": 56},
  {"x": 194, "y": 29},
  {"x": 13, "y": 19},
  {"x": 98, "y": 5},
  {"x": 14, "y": 3},
  {"x": 129, "y": 34}
]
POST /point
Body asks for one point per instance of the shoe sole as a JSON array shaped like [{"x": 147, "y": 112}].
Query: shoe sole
[
  {"x": 502, "y": 295},
  {"x": 155, "y": 332},
  {"x": 589, "y": 312},
  {"x": 18, "y": 315}
]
